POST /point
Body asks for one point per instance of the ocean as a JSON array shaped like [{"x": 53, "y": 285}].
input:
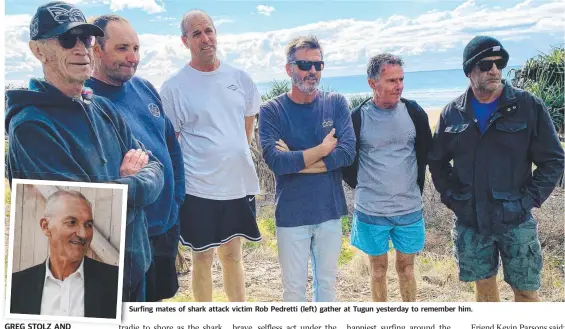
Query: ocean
[{"x": 431, "y": 89}]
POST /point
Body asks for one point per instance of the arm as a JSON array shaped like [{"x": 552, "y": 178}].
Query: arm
[
  {"x": 546, "y": 153},
  {"x": 344, "y": 153},
  {"x": 177, "y": 160},
  {"x": 51, "y": 160},
  {"x": 315, "y": 168},
  {"x": 281, "y": 163},
  {"x": 438, "y": 160},
  {"x": 144, "y": 186},
  {"x": 249, "y": 125}
]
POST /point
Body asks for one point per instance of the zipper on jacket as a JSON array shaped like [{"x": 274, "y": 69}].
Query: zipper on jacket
[{"x": 93, "y": 128}]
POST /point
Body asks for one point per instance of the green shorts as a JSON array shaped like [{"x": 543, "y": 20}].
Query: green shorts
[{"x": 519, "y": 249}]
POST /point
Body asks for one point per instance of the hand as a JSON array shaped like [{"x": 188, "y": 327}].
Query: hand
[
  {"x": 281, "y": 146},
  {"x": 133, "y": 161},
  {"x": 329, "y": 143}
]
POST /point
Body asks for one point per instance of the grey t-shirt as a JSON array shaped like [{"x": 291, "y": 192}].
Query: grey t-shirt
[{"x": 387, "y": 179}]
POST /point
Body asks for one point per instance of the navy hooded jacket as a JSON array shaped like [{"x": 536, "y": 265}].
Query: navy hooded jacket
[{"x": 56, "y": 137}]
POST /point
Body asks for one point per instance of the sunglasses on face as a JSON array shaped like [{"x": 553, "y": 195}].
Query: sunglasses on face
[
  {"x": 307, "y": 65},
  {"x": 486, "y": 65},
  {"x": 68, "y": 41}
]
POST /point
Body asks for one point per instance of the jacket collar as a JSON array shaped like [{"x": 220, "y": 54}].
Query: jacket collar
[{"x": 506, "y": 99}]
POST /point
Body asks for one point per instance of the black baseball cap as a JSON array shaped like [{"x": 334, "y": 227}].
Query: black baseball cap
[{"x": 57, "y": 17}]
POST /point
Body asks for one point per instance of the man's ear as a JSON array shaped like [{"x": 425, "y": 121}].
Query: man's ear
[
  {"x": 37, "y": 51},
  {"x": 288, "y": 70},
  {"x": 44, "y": 224},
  {"x": 184, "y": 40},
  {"x": 97, "y": 50},
  {"x": 371, "y": 83}
]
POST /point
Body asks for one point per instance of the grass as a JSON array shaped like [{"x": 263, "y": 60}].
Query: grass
[{"x": 217, "y": 296}]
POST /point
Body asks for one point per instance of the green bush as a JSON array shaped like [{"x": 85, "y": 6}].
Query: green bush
[{"x": 544, "y": 77}]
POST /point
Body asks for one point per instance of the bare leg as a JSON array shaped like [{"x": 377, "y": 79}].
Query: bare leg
[
  {"x": 406, "y": 280},
  {"x": 379, "y": 266},
  {"x": 526, "y": 295},
  {"x": 487, "y": 290},
  {"x": 232, "y": 270},
  {"x": 202, "y": 275}
]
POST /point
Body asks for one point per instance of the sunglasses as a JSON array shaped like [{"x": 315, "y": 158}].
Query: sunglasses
[
  {"x": 68, "y": 41},
  {"x": 307, "y": 65},
  {"x": 486, "y": 65}
]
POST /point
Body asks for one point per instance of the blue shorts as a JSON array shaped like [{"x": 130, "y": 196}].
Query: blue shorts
[{"x": 369, "y": 235}]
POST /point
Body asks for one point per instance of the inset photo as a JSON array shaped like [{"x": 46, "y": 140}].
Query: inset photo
[{"x": 66, "y": 251}]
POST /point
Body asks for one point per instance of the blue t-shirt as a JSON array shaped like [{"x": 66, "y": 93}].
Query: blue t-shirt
[
  {"x": 140, "y": 106},
  {"x": 483, "y": 111},
  {"x": 306, "y": 199}
]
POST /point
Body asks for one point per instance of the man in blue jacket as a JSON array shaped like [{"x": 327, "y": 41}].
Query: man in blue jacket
[
  {"x": 494, "y": 133},
  {"x": 307, "y": 137},
  {"x": 116, "y": 56},
  {"x": 59, "y": 131}
]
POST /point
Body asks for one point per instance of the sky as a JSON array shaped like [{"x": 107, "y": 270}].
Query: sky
[{"x": 252, "y": 35}]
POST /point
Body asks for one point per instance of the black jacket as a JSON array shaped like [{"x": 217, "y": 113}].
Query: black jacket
[
  {"x": 100, "y": 290},
  {"x": 422, "y": 145},
  {"x": 490, "y": 185}
]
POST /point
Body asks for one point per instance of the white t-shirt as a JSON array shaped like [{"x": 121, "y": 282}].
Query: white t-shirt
[
  {"x": 63, "y": 298},
  {"x": 209, "y": 110}
]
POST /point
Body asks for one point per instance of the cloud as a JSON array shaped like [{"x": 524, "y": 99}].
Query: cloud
[
  {"x": 432, "y": 40},
  {"x": 265, "y": 10},
  {"x": 222, "y": 21},
  {"x": 149, "y": 6}
]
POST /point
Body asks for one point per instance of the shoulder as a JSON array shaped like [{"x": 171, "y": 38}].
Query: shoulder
[
  {"x": 274, "y": 105},
  {"x": 333, "y": 97},
  {"x": 31, "y": 117},
  {"x": 175, "y": 80},
  {"x": 28, "y": 273},
  {"x": 100, "y": 268}
]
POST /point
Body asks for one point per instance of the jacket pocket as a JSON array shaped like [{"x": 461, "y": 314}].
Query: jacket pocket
[
  {"x": 462, "y": 204},
  {"x": 510, "y": 133},
  {"x": 511, "y": 206}
]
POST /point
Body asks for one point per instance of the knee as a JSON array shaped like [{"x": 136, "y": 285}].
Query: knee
[
  {"x": 203, "y": 258},
  {"x": 378, "y": 271},
  {"x": 230, "y": 256},
  {"x": 405, "y": 269}
]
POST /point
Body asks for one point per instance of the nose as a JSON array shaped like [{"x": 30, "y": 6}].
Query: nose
[
  {"x": 81, "y": 232},
  {"x": 133, "y": 57},
  {"x": 312, "y": 69},
  {"x": 494, "y": 69},
  {"x": 79, "y": 48},
  {"x": 205, "y": 38}
]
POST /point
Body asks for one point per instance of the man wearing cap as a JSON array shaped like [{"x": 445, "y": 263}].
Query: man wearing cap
[
  {"x": 60, "y": 131},
  {"x": 117, "y": 56},
  {"x": 494, "y": 133}
]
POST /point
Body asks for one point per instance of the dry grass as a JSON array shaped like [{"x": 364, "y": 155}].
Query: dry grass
[{"x": 436, "y": 269}]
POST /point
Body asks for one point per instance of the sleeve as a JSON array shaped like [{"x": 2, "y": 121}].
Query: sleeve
[
  {"x": 439, "y": 162},
  {"x": 169, "y": 107},
  {"x": 344, "y": 153},
  {"x": 176, "y": 159},
  {"x": 281, "y": 163},
  {"x": 546, "y": 153},
  {"x": 145, "y": 186},
  {"x": 252, "y": 97},
  {"x": 49, "y": 160}
]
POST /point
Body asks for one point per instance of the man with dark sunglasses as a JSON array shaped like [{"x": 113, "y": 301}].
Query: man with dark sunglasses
[
  {"x": 59, "y": 131},
  {"x": 307, "y": 137},
  {"x": 493, "y": 134}
]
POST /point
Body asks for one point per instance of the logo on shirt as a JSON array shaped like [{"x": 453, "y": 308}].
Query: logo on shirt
[
  {"x": 154, "y": 109},
  {"x": 327, "y": 123},
  {"x": 233, "y": 87}
]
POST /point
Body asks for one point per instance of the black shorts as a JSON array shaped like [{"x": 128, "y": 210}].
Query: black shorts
[
  {"x": 206, "y": 223},
  {"x": 161, "y": 277}
]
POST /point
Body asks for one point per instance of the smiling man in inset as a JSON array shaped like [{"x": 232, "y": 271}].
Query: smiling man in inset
[{"x": 68, "y": 283}]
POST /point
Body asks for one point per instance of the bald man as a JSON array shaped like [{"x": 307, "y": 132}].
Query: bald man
[{"x": 68, "y": 283}]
